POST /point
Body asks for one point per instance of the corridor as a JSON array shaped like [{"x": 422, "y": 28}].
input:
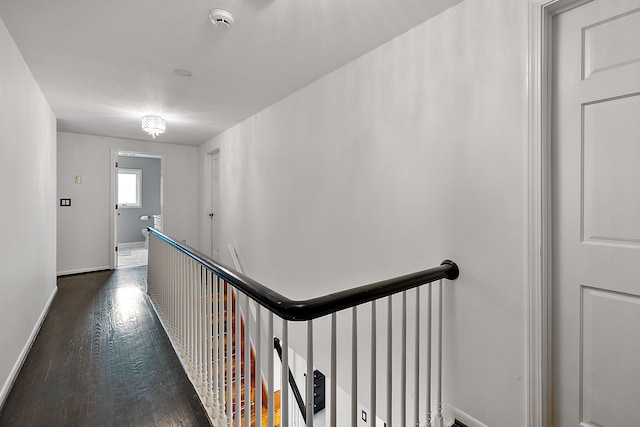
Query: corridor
[{"x": 102, "y": 359}]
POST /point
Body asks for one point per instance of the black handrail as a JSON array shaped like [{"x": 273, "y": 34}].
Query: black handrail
[
  {"x": 315, "y": 307},
  {"x": 292, "y": 381}
]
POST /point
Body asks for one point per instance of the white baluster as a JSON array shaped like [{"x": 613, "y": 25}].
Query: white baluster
[
  {"x": 197, "y": 326},
  {"x": 403, "y": 363},
  {"x": 247, "y": 364},
  {"x": 173, "y": 287},
  {"x": 258, "y": 373},
  {"x": 438, "y": 418},
  {"x": 195, "y": 285},
  {"x": 169, "y": 289},
  {"x": 238, "y": 353},
  {"x": 176, "y": 297},
  {"x": 192, "y": 314},
  {"x": 373, "y": 374},
  {"x": 208, "y": 348},
  {"x": 428, "y": 357},
  {"x": 334, "y": 379},
  {"x": 229, "y": 364},
  {"x": 202, "y": 328},
  {"x": 354, "y": 367},
  {"x": 215, "y": 366},
  {"x": 284, "y": 382},
  {"x": 416, "y": 375},
  {"x": 179, "y": 283},
  {"x": 184, "y": 307},
  {"x": 270, "y": 381},
  {"x": 309, "y": 391},
  {"x": 389, "y": 361},
  {"x": 221, "y": 371}
]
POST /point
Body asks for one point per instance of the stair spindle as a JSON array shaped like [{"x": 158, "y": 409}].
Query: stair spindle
[
  {"x": 309, "y": 393},
  {"x": 354, "y": 366}
]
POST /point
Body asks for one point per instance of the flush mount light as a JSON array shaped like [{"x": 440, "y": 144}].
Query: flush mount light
[
  {"x": 221, "y": 17},
  {"x": 153, "y": 125}
]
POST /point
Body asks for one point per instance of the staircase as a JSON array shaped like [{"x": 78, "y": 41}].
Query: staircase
[
  {"x": 188, "y": 288},
  {"x": 241, "y": 347}
]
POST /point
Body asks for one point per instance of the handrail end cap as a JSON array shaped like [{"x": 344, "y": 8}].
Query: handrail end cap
[{"x": 454, "y": 272}]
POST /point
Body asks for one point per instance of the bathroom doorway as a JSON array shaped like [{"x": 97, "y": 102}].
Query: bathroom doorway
[{"x": 138, "y": 205}]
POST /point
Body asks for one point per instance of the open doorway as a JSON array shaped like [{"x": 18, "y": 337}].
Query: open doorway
[{"x": 138, "y": 195}]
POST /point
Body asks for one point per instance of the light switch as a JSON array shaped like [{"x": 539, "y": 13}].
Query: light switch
[{"x": 65, "y": 202}]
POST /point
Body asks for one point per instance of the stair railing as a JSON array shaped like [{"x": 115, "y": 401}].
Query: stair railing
[
  {"x": 191, "y": 294},
  {"x": 292, "y": 382}
]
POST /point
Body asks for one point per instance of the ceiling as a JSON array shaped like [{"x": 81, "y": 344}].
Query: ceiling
[{"x": 104, "y": 64}]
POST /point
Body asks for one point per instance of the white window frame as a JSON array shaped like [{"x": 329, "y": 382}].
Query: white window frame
[{"x": 138, "y": 173}]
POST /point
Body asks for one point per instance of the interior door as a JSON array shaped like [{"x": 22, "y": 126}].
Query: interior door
[
  {"x": 596, "y": 215},
  {"x": 215, "y": 206}
]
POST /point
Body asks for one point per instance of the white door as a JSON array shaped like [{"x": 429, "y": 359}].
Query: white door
[
  {"x": 215, "y": 206},
  {"x": 596, "y": 215}
]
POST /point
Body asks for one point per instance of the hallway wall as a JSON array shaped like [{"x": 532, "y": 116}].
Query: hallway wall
[
  {"x": 411, "y": 154},
  {"x": 28, "y": 214},
  {"x": 84, "y": 228}
]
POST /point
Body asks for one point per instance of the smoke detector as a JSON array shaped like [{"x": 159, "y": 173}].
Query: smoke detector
[{"x": 221, "y": 17}]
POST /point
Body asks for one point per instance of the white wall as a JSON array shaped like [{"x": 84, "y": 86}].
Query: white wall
[
  {"x": 28, "y": 214},
  {"x": 84, "y": 228},
  {"x": 409, "y": 155}
]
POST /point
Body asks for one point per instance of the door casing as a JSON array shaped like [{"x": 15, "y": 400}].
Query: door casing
[
  {"x": 113, "y": 256},
  {"x": 538, "y": 303}
]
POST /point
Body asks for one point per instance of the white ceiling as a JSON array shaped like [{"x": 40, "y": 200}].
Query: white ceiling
[{"x": 103, "y": 64}]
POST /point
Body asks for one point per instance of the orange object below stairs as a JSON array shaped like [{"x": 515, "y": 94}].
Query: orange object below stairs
[{"x": 253, "y": 371}]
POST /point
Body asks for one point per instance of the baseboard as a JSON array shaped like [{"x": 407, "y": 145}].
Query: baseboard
[
  {"x": 83, "y": 270},
  {"x": 25, "y": 351},
  {"x": 451, "y": 414},
  {"x": 131, "y": 245}
]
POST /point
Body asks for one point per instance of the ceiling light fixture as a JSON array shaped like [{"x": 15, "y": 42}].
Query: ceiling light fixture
[
  {"x": 221, "y": 17},
  {"x": 154, "y": 125}
]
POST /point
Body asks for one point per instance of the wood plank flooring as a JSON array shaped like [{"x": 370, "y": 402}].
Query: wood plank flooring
[{"x": 102, "y": 359}]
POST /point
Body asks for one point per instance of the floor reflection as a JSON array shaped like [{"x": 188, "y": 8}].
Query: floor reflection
[{"x": 102, "y": 358}]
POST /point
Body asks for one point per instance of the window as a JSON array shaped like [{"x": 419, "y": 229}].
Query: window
[{"x": 130, "y": 188}]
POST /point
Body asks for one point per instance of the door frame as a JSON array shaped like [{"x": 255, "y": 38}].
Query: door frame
[
  {"x": 538, "y": 309},
  {"x": 209, "y": 190},
  {"x": 113, "y": 238}
]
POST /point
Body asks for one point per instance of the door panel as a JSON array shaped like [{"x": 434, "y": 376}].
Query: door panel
[
  {"x": 610, "y": 345},
  {"x": 621, "y": 31},
  {"x": 596, "y": 214},
  {"x": 611, "y": 171}
]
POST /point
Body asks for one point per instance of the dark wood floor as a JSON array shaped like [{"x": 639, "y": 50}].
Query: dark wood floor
[{"x": 102, "y": 359}]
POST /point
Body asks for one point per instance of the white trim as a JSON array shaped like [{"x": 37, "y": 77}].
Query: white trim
[
  {"x": 84, "y": 270},
  {"x": 6, "y": 388},
  {"x": 132, "y": 245},
  {"x": 537, "y": 344},
  {"x": 538, "y": 351},
  {"x": 113, "y": 171},
  {"x": 234, "y": 257}
]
